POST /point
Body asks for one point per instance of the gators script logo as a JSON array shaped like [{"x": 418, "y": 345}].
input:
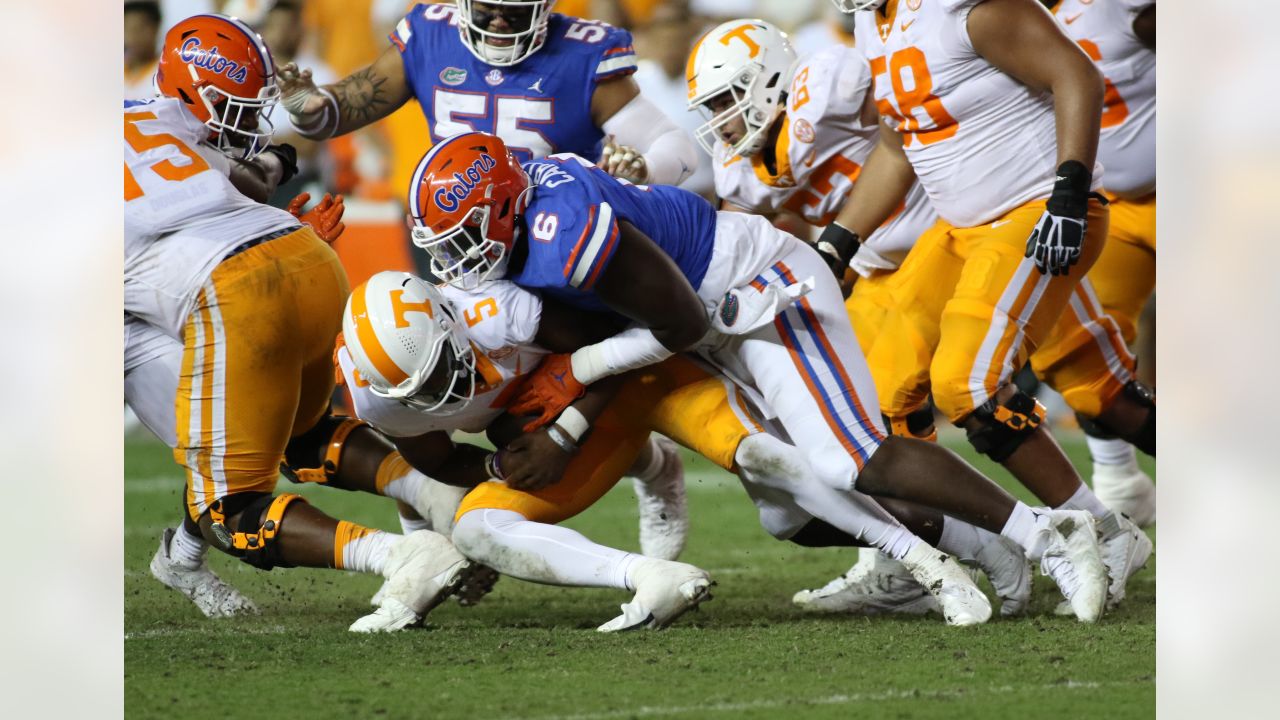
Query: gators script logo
[
  {"x": 212, "y": 60},
  {"x": 449, "y": 198}
]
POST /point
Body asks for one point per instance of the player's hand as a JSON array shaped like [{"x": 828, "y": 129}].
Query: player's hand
[
  {"x": 1058, "y": 238},
  {"x": 298, "y": 92},
  {"x": 837, "y": 246},
  {"x": 533, "y": 461},
  {"x": 848, "y": 281},
  {"x": 622, "y": 161},
  {"x": 1056, "y": 242},
  {"x": 325, "y": 218},
  {"x": 547, "y": 392}
]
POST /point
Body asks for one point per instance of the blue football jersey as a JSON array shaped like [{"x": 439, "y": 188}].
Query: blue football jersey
[
  {"x": 572, "y": 227},
  {"x": 539, "y": 107}
]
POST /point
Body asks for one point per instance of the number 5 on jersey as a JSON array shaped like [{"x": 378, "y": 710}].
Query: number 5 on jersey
[{"x": 165, "y": 167}]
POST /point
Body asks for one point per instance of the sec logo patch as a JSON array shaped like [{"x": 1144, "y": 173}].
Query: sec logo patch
[
  {"x": 803, "y": 130},
  {"x": 495, "y": 77},
  {"x": 729, "y": 309}
]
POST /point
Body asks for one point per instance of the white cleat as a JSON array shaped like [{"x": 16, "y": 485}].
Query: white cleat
[
  {"x": 210, "y": 594},
  {"x": 422, "y": 570},
  {"x": 961, "y": 601},
  {"x": 876, "y": 585},
  {"x": 665, "y": 590},
  {"x": 664, "y": 513},
  {"x": 1124, "y": 549},
  {"x": 1010, "y": 574},
  {"x": 477, "y": 583},
  {"x": 1072, "y": 560},
  {"x": 1126, "y": 489}
]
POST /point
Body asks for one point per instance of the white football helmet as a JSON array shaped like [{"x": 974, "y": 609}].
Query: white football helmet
[
  {"x": 400, "y": 332},
  {"x": 474, "y": 17},
  {"x": 749, "y": 62},
  {"x": 853, "y": 6}
]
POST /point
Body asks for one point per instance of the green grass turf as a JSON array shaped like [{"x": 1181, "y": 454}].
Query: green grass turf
[{"x": 530, "y": 651}]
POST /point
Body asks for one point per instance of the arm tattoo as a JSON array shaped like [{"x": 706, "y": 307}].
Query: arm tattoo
[{"x": 361, "y": 97}]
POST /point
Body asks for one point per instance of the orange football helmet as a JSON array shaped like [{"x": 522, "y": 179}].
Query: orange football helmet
[
  {"x": 223, "y": 72},
  {"x": 465, "y": 200}
]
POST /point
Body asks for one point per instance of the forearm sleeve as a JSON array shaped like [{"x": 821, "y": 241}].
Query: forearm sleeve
[
  {"x": 667, "y": 149},
  {"x": 632, "y": 348}
]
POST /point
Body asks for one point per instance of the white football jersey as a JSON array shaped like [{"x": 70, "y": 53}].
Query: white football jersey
[
  {"x": 182, "y": 215},
  {"x": 1127, "y": 145},
  {"x": 502, "y": 320},
  {"x": 820, "y": 152},
  {"x": 981, "y": 142}
]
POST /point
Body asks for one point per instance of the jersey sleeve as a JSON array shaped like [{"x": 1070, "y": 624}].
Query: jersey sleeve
[
  {"x": 826, "y": 99},
  {"x": 573, "y": 236},
  {"x": 617, "y": 55},
  {"x": 412, "y": 34}
]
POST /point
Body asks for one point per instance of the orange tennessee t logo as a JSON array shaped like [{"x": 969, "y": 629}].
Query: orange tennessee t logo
[
  {"x": 400, "y": 308},
  {"x": 740, "y": 32}
]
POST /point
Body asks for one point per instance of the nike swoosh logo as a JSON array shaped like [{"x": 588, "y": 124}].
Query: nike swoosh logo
[
  {"x": 998, "y": 223},
  {"x": 906, "y": 25},
  {"x": 1073, "y": 18}
]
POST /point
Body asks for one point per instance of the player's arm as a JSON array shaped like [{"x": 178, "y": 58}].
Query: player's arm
[
  {"x": 1144, "y": 26},
  {"x": 645, "y": 145},
  {"x": 435, "y": 455},
  {"x": 563, "y": 329},
  {"x": 1042, "y": 57},
  {"x": 363, "y": 97},
  {"x": 886, "y": 177}
]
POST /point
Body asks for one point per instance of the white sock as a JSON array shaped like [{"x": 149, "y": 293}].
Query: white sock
[
  {"x": 414, "y": 524},
  {"x": 186, "y": 548},
  {"x": 1022, "y": 527},
  {"x": 1115, "y": 451},
  {"x": 895, "y": 542},
  {"x": 513, "y": 545},
  {"x": 403, "y": 486},
  {"x": 648, "y": 463},
  {"x": 365, "y": 550},
  {"x": 1084, "y": 499},
  {"x": 963, "y": 540}
]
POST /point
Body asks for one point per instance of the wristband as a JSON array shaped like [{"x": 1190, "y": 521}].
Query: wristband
[
  {"x": 491, "y": 467},
  {"x": 1070, "y": 196},
  {"x": 839, "y": 242},
  {"x": 573, "y": 423},
  {"x": 325, "y": 119},
  {"x": 288, "y": 156},
  {"x": 559, "y": 437}
]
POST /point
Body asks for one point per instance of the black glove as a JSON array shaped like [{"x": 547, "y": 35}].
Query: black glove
[
  {"x": 837, "y": 245},
  {"x": 288, "y": 156},
  {"x": 1058, "y": 238}
]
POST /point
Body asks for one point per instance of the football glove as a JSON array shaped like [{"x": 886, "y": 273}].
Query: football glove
[
  {"x": 1057, "y": 240},
  {"x": 325, "y": 218},
  {"x": 837, "y": 245},
  {"x": 622, "y": 161},
  {"x": 547, "y": 392}
]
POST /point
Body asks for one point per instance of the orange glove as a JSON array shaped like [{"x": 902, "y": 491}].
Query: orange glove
[
  {"x": 548, "y": 390},
  {"x": 325, "y": 218}
]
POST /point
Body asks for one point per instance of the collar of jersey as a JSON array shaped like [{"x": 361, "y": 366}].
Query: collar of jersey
[{"x": 781, "y": 156}]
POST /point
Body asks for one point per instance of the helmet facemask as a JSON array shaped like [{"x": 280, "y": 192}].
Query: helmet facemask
[
  {"x": 227, "y": 115},
  {"x": 852, "y": 6},
  {"x": 742, "y": 91},
  {"x": 525, "y": 38},
  {"x": 464, "y": 255}
]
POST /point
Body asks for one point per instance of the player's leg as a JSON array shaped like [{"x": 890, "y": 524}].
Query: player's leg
[
  {"x": 150, "y": 385},
  {"x": 515, "y": 532}
]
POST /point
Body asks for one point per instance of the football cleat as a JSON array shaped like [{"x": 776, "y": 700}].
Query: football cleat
[
  {"x": 1072, "y": 560},
  {"x": 1010, "y": 574},
  {"x": 476, "y": 584},
  {"x": 210, "y": 594},
  {"x": 664, "y": 513},
  {"x": 1126, "y": 489},
  {"x": 1124, "y": 549},
  {"x": 422, "y": 570},
  {"x": 665, "y": 590},
  {"x": 876, "y": 585},
  {"x": 961, "y": 601}
]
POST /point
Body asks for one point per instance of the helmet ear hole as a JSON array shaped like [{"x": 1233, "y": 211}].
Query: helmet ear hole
[
  {"x": 506, "y": 207},
  {"x": 185, "y": 97}
]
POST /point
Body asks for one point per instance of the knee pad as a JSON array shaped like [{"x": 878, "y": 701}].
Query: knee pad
[
  {"x": 314, "y": 455},
  {"x": 1005, "y": 426},
  {"x": 1145, "y": 438},
  {"x": 917, "y": 424},
  {"x": 252, "y": 542}
]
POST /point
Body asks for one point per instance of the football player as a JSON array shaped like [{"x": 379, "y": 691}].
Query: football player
[
  {"x": 1120, "y": 37},
  {"x": 417, "y": 373},
  {"x": 256, "y": 299},
  {"x": 544, "y": 82},
  {"x": 664, "y": 260},
  {"x": 793, "y": 136},
  {"x": 983, "y": 288}
]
